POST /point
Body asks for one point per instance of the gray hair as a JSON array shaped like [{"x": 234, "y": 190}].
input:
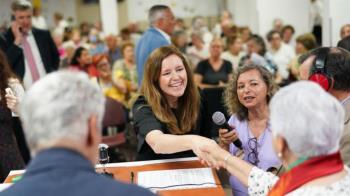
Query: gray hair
[
  {"x": 156, "y": 12},
  {"x": 57, "y": 108},
  {"x": 308, "y": 118},
  {"x": 21, "y": 5}
]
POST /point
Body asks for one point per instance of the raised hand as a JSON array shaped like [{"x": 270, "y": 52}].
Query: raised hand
[
  {"x": 16, "y": 30},
  {"x": 11, "y": 102}
]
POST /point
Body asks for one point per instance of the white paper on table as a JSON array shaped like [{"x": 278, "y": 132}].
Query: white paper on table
[
  {"x": 176, "y": 179},
  {"x": 4, "y": 186}
]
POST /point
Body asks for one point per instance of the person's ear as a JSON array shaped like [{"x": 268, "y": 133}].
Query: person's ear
[
  {"x": 93, "y": 136},
  {"x": 305, "y": 68},
  {"x": 280, "y": 145}
]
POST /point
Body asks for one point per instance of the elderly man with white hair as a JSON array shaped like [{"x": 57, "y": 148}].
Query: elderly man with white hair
[
  {"x": 62, "y": 115},
  {"x": 307, "y": 124}
]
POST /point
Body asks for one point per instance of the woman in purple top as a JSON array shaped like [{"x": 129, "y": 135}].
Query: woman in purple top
[{"x": 247, "y": 97}]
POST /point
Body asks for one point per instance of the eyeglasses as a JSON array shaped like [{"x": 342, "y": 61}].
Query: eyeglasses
[{"x": 253, "y": 154}]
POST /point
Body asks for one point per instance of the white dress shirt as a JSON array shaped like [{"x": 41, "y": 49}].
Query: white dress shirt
[{"x": 165, "y": 35}]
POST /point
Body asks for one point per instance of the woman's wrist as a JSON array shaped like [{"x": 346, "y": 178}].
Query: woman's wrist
[
  {"x": 225, "y": 159},
  {"x": 189, "y": 141}
]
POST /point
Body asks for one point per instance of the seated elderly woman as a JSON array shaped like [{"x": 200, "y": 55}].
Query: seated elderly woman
[{"x": 306, "y": 123}]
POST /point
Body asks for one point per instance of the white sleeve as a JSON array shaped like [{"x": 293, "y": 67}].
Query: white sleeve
[{"x": 260, "y": 182}]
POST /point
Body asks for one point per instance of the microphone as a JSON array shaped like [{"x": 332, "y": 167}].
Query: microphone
[
  {"x": 103, "y": 154},
  {"x": 220, "y": 120},
  {"x": 104, "y": 158}
]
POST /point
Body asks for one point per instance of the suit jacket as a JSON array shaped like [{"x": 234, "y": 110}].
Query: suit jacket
[
  {"x": 345, "y": 139},
  {"x": 47, "y": 49},
  {"x": 59, "y": 171},
  {"x": 150, "y": 40}
]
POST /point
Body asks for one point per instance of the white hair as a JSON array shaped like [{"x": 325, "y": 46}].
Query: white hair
[
  {"x": 57, "y": 108},
  {"x": 308, "y": 118},
  {"x": 156, "y": 12}
]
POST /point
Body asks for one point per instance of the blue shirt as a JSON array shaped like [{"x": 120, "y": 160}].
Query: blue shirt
[
  {"x": 60, "y": 171},
  {"x": 150, "y": 40}
]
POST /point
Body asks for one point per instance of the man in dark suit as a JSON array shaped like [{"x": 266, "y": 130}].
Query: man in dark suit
[
  {"x": 61, "y": 116},
  {"x": 30, "y": 51}
]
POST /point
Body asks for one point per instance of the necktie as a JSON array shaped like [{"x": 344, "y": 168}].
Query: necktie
[{"x": 30, "y": 59}]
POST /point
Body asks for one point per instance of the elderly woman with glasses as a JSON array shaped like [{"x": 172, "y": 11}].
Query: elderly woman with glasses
[
  {"x": 306, "y": 124},
  {"x": 247, "y": 98}
]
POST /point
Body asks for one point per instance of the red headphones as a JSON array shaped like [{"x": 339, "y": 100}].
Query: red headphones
[{"x": 319, "y": 72}]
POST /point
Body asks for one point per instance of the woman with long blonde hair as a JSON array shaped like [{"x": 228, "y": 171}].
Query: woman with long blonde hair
[{"x": 168, "y": 115}]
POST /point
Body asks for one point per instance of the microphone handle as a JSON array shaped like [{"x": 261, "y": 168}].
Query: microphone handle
[{"x": 237, "y": 142}]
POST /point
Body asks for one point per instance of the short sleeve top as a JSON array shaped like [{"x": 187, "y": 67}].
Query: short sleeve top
[
  {"x": 266, "y": 155},
  {"x": 210, "y": 76},
  {"x": 145, "y": 121}
]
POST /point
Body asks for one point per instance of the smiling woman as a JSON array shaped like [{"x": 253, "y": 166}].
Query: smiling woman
[
  {"x": 173, "y": 79},
  {"x": 247, "y": 97},
  {"x": 168, "y": 115}
]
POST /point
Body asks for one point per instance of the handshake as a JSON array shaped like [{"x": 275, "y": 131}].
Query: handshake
[{"x": 210, "y": 153}]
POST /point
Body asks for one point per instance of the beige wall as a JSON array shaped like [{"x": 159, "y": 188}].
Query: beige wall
[
  {"x": 91, "y": 13},
  {"x": 123, "y": 14},
  {"x": 87, "y": 13}
]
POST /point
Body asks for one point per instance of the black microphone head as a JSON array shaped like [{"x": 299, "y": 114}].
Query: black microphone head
[
  {"x": 219, "y": 118},
  {"x": 103, "y": 153}
]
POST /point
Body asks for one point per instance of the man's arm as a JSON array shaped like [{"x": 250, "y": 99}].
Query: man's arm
[{"x": 54, "y": 53}]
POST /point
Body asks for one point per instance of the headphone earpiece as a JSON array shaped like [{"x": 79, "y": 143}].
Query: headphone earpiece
[
  {"x": 323, "y": 80},
  {"x": 318, "y": 71}
]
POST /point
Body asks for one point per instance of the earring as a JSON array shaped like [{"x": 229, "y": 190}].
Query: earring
[{"x": 279, "y": 155}]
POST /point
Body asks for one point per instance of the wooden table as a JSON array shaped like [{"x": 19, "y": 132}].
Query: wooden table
[{"x": 122, "y": 172}]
